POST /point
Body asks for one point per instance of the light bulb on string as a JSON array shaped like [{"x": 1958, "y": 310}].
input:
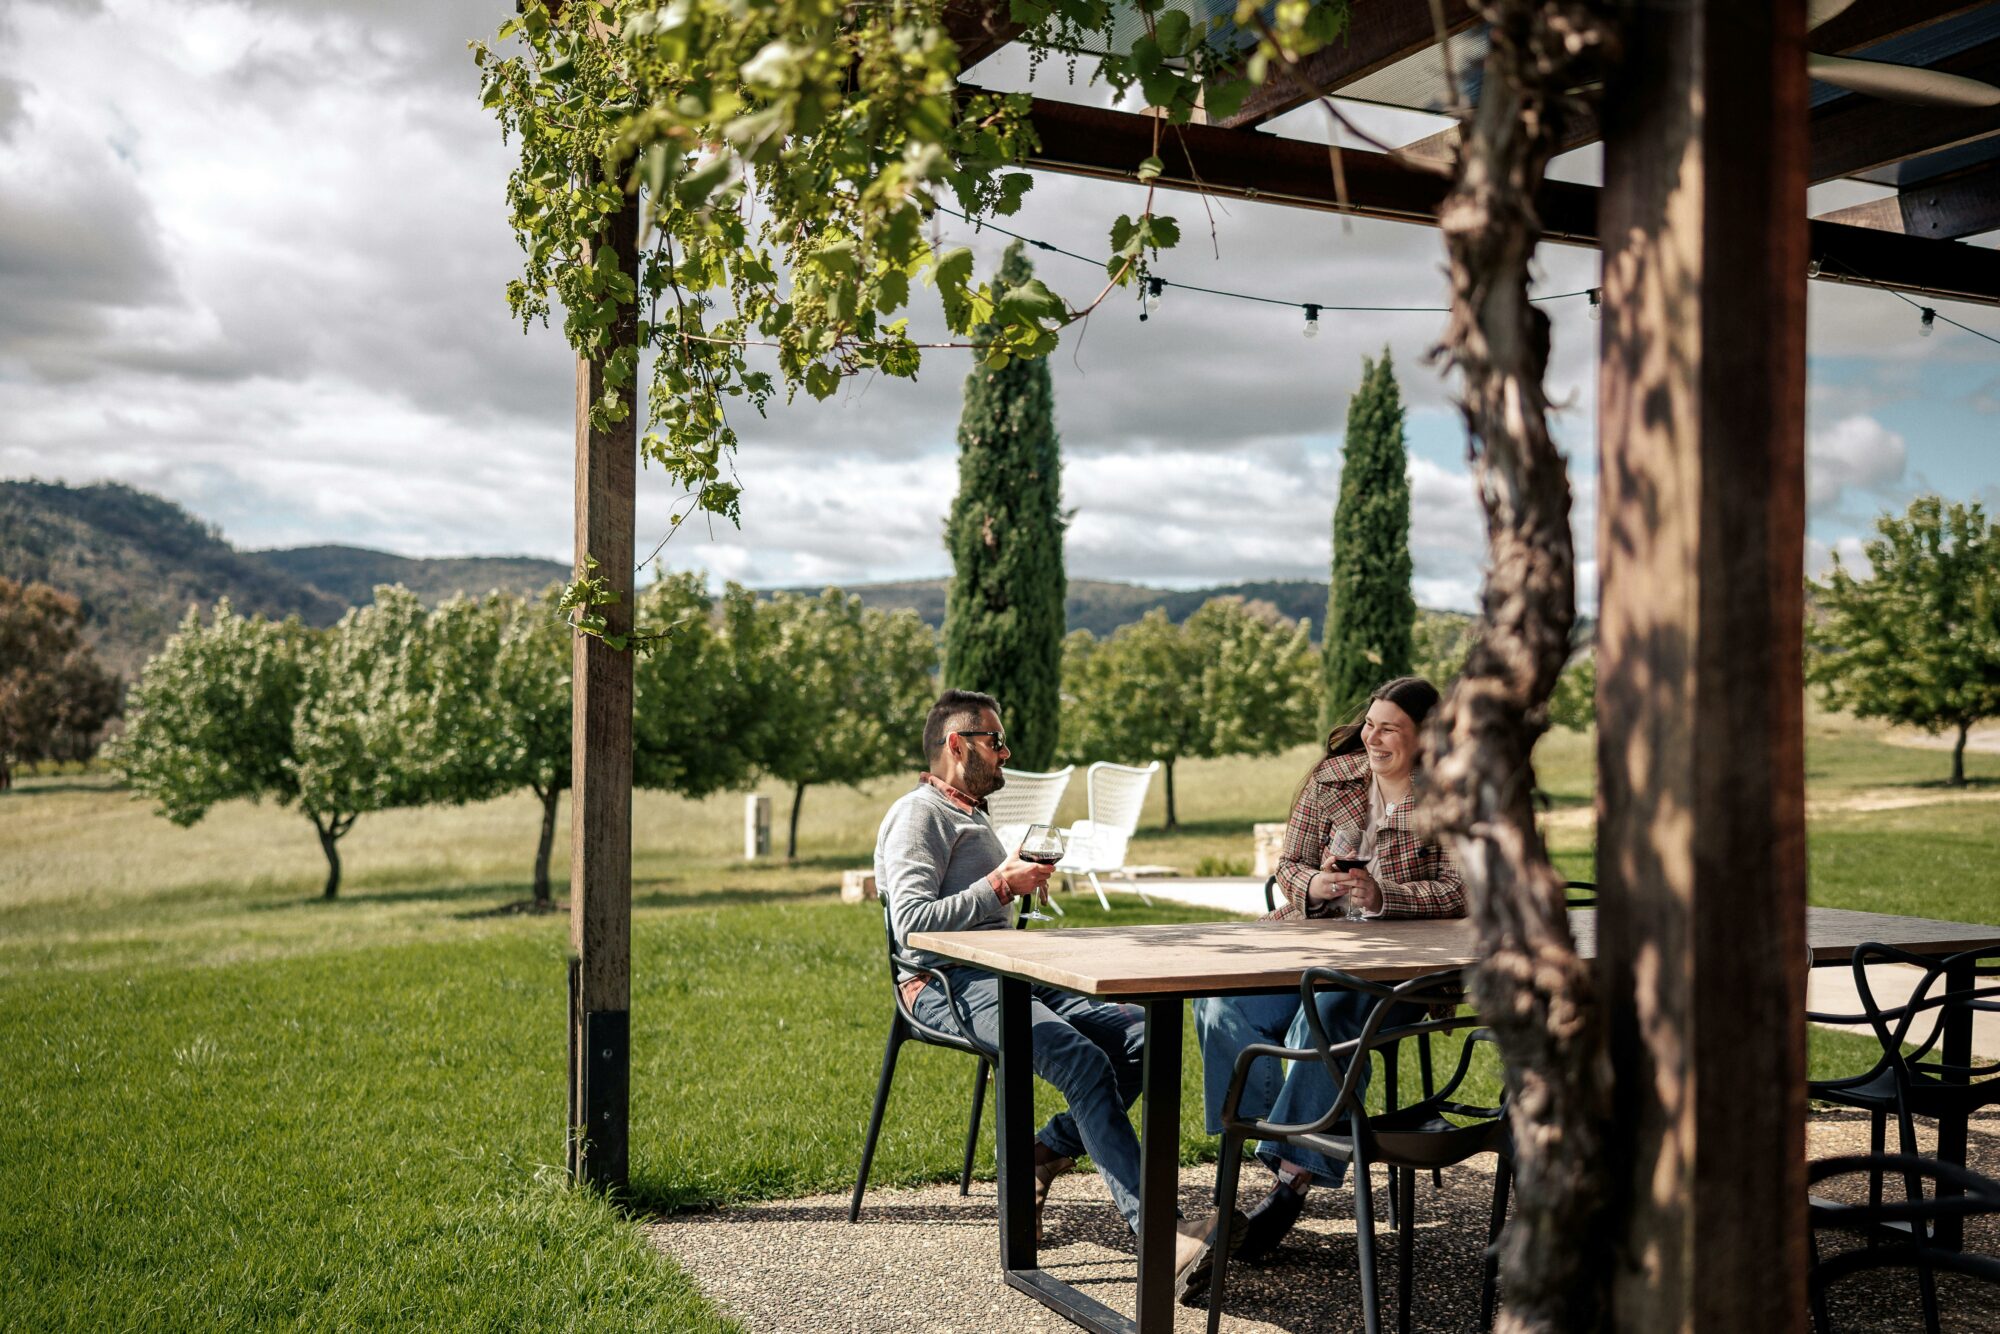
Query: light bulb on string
[
  {"x": 1596, "y": 303},
  {"x": 1154, "y": 286},
  {"x": 1812, "y": 269},
  {"x": 1928, "y": 323},
  {"x": 1312, "y": 320}
]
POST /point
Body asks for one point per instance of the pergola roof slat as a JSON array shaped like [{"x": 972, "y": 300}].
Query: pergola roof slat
[
  {"x": 1963, "y": 205},
  {"x": 1856, "y": 133},
  {"x": 1378, "y": 35}
]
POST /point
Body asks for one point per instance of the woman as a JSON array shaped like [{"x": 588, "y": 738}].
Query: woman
[{"x": 1354, "y": 806}]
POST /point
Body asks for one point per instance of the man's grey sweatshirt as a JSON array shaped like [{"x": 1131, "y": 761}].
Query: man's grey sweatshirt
[{"x": 931, "y": 864}]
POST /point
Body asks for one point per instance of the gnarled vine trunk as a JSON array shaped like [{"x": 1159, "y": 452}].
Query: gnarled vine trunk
[{"x": 1531, "y": 986}]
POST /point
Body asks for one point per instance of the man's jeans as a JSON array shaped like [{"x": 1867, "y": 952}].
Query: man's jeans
[
  {"x": 1089, "y": 1049},
  {"x": 1227, "y": 1024}
]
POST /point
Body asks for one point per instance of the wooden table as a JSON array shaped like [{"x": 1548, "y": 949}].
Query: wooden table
[{"x": 1159, "y": 967}]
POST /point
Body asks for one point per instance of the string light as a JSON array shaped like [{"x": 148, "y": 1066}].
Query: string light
[{"x": 1154, "y": 287}]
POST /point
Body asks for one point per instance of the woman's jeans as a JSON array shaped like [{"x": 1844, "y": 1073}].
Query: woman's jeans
[
  {"x": 1227, "y": 1024},
  {"x": 1089, "y": 1049}
]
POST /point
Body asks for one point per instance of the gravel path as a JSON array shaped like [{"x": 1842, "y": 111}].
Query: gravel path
[{"x": 925, "y": 1260}]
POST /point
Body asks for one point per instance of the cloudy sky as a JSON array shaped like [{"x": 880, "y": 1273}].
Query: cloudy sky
[{"x": 252, "y": 257}]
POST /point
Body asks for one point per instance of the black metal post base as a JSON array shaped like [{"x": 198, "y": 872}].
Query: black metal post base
[{"x": 600, "y": 1100}]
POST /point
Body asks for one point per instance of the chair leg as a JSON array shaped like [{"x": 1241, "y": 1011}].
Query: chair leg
[
  {"x": 1489, "y": 1281},
  {"x": 1878, "y": 1130},
  {"x": 1226, "y": 1174},
  {"x": 1102, "y": 902},
  {"x": 1392, "y": 1063},
  {"x": 1430, "y": 1086},
  {"x": 1364, "y": 1246},
  {"x": 896, "y": 1038},
  {"x": 972, "y": 1130},
  {"x": 1815, "y": 1290},
  {"x": 1913, "y": 1189},
  {"x": 1406, "y": 1181}
]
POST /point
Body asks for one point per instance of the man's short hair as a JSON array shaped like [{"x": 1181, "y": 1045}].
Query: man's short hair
[{"x": 954, "y": 709}]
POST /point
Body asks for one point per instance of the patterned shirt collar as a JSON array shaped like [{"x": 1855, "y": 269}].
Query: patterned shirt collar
[{"x": 952, "y": 794}]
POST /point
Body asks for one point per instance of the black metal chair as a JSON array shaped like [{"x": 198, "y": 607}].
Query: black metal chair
[
  {"x": 1405, "y": 1139},
  {"x": 1907, "y": 1081},
  {"x": 904, "y": 1026},
  {"x": 1914, "y": 1218}
]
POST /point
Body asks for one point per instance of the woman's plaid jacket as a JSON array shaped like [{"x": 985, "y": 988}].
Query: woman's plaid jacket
[{"x": 1418, "y": 879}]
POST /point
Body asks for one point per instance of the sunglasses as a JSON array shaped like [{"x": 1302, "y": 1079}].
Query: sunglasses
[{"x": 999, "y": 739}]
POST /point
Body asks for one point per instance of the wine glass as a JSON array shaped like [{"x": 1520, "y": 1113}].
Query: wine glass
[
  {"x": 1044, "y": 847},
  {"x": 1344, "y": 852}
]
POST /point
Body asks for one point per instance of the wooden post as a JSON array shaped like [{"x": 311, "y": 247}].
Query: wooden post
[
  {"x": 1701, "y": 839},
  {"x": 601, "y": 760}
]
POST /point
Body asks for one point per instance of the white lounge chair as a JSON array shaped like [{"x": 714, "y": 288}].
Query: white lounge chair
[
  {"x": 1028, "y": 798},
  {"x": 1097, "y": 845}
]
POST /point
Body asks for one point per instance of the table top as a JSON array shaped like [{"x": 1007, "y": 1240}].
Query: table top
[{"x": 1217, "y": 958}]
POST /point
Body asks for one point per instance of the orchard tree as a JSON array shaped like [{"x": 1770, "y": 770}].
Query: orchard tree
[
  {"x": 1917, "y": 640},
  {"x": 531, "y": 715},
  {"x": 1003, "y": 624},
  {"x": 695, "y": 699},
  {"x": 54, "y": 698},
  {"x": 842, "y": 691},
  {"x": 210, "y": 719},
  {"x": 1235, "y": 678},
  {"x": 375, "y": 729},
  {"x": 1574, "y": 703},
  {"x": 1369, "y": 607}
]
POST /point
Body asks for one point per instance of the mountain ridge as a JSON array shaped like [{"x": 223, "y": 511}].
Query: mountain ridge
[{"x": 137, "y": 561}]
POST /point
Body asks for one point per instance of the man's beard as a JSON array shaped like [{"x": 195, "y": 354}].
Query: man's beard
[{"x": 984, "y": 779}]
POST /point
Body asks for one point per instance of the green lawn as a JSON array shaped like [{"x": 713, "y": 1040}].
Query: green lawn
[{"x": 224, "y": 1103}]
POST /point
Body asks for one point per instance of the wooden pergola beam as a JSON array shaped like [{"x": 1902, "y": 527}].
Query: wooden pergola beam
[
  {"x": 1378, "y": 35},
  {"x": 1243, "y": 164},
  {"x": 978, "y": 28},
  {"x": 1856, "y": 134},
  {"x": 1962, "y": 205}
]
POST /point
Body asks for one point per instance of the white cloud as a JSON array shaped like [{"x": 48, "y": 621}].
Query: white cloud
[{"x": 1854, "y": 453}]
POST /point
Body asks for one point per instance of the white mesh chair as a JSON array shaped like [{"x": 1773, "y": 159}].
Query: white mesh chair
[
  {"x": 1028, "y": 798},
  {"x": 1097, "y": 845}
]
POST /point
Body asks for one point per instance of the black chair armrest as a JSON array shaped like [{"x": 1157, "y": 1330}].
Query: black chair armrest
[
  {"x": 902, "y": 960},
  {"x": 1271, "y": 893}
]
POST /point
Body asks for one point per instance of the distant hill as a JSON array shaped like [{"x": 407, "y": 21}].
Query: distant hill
[
  {"x": 1100, "y": 606},
  {"x": 350, "y": 574},
  {"x": 137, "y": 561}
]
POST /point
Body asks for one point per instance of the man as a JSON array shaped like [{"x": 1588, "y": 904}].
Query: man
[{"x": 939, "y": 867}]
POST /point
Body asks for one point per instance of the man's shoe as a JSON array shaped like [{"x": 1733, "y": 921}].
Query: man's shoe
[
  {"x": 1194, "y": 1255},
  {"x": 1048, "y": 1166},
  {"x": 1270, "y": 1221}
]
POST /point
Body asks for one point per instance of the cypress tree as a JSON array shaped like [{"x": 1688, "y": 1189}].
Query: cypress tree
[
  {"x": 1369, "y": 607},
  {"x": 1003, "y": 626}
]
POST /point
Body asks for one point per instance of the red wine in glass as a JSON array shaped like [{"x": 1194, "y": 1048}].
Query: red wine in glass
[{"x": 1044, "y": 847}]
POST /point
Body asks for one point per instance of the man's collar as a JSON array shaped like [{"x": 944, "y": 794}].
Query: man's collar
[{"x": 952, "y": 794}]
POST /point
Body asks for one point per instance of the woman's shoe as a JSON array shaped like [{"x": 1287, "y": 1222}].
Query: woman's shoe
[
  {"x": 1048, "y": 1166},
  {"x": 1271, "y": 1220}
]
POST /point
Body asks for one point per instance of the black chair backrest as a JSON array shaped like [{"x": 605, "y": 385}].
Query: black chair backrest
[
  {"x": 1438, "y": 993},
  {"x": 1931, "y": 1003}
]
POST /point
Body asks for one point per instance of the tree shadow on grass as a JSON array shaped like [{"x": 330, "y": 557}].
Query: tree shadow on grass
[
  {"x": 507, "y": 892},
  {"x": 724, "y": 896},
  {"x": 51, "y": 789}
]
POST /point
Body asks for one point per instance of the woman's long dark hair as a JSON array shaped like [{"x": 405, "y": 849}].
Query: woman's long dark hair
[{"x": 1412, "y": 694}]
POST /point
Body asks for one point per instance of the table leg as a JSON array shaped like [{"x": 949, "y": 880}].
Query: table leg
[
  {"x": 1159, "y": 1165},
  {"x": 1013, "y": 1128},
  {"x": 1957, "y": 1051}
]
